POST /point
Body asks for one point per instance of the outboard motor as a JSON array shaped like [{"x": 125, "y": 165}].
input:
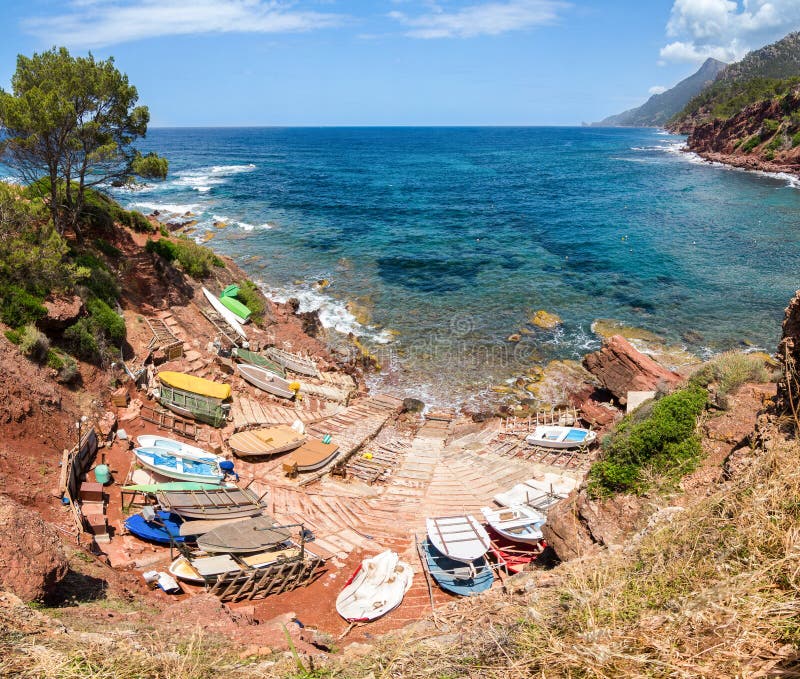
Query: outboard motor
[{"x": 226, "y": 467}]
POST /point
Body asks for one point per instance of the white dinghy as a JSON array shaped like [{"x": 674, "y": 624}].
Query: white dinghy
[
  {"x": 460, "y": 538},
  {"x": 519, "y": 523},
  {"x": 561, "y": 437},
  {"x": 378, "y": 586}
]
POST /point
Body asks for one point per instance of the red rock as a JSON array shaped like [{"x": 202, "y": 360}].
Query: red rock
[
  {"x": 621, "y": 368},
  {"x": 132, "y": 411},
  {"x": 61, "y": 312},
  {"x": 789, "y": 352},
  {"x": 106, "y": 423},
  {"x": 32, "y": 561}
]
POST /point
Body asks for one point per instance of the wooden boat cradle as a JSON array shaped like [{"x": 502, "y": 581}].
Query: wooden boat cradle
[
  {"x": 220, "y": 325},
  {"x": 303, "y": 364},
  {"x": 163, "y": 339},
  {"x": 166, "y": 419},
  {"x": 564, "y": 417},
  {"x": 204, "y": 408},
  {"x": 513, "y": 447},
  {"x": 211, "y": 503}
]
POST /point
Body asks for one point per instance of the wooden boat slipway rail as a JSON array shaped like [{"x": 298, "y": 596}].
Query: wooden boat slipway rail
[
  {"x": 75, "y": 464},
  {"x": 258, "y": 583}
]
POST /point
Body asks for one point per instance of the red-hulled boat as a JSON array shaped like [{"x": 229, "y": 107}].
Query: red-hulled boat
[{"x": 513, "y": 556}]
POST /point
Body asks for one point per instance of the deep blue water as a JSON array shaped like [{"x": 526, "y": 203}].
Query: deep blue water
[{"x": 452, "y": 237}]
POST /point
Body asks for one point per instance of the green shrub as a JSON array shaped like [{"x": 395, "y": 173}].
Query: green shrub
[
  {"x": 251, "y": 297},
  {"x": 776, "y": 143},
  {"x": 106, "y": 321},
  {"x": 162, "y": 247},
  {"x": 769, "y": 127},
  {"x": 796, "y": 139},
  {"x": 195, "y": 260},
  {"x": 54, "y": 360},
  {"x": 18, "y": 307},
  {"x": 769, "y": 154},
  {"x": 107, "y": 249},
  {"x": 34, "y": 343},
  {"x": 13, "y": 336},
  {"x": 140, "y": 223},
  {"x": 69, "y": 370},
  {"x": 99, "y": 279},
  {"x": 729, "y": 371},
  {"x": 81, "y": 341},
  {"x": 663, "y": 442},
  {"x": 751, "y": 143}
]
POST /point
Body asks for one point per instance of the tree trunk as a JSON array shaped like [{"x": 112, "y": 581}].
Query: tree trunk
[{"x": 54, "y": 201}]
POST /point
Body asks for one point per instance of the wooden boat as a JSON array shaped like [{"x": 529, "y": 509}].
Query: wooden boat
[
  {"x": 212, "y": 503},
  {"x": 176, "y": 466},
  {"x": 267, "y": 441},
  {"x": 289, "y": 552},
  {"x": 229, "y": 317},
  {"x": 519, "y": 522},
  {"x": 377, "y": 586},
  {"x": 253, "y": 535},
  {"x": 251, "y": 357},
  {"x": 153, "y": 488},
  {"x": 460, "y": 538},
  {"x": 294, "y": 362},
  {"x": 202, "y": 526},
  {"x": 201, "y": 569},
  {"x": 154, "y": 441},
  {"x": 538, "y": 493},
  {"x": 163, "y": 529},
  {"x": 266, "y": 380},
  {"x": 195, "y": 385},
  {"x": 228, "y": 299},
  {"x": 325, "y": 391},
  {"x": 312, "y": 455},
  {"x": 195, "y": 406},
  {"x": 561, "y": 437},
  {"x": 515, "y": 557},
  {"x": 455, "y": 576}
]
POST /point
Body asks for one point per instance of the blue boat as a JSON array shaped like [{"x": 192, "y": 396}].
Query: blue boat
[
  {"x": 457, "y": 577},
  {"x": 160, "y": 530}
]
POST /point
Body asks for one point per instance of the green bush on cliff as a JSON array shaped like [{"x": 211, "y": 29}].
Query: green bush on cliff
[
  {"x": 250, "y": 296},
  {"x": 81, "y": 341},
  {"x": 751, "y": 143},
  {"x": 34, "y": 343},
  {"x": 769, "y": 127},
  {"x": 196, "y": 260},
  {"x": 659, "y": 442},
  {"x": 18, "y": 307},
  {"x": 796, "y": 140},
  {"x": 106, "y": 321},
  {"x": 100, "y": 281}
]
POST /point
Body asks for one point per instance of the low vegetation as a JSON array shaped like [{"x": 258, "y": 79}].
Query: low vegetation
[
  {"x": 728, "y": 372},
  {"x": 251, "y": 297},
  {"x": 657, "y": 440},
  {"x": 150, "y": 166},
  {"x": 195, "y": 260}
]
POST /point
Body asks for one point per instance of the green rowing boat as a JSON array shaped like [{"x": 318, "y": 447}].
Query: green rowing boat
[{"x": 259, "y": 360}]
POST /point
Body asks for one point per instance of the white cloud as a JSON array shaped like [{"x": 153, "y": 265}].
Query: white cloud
[
  {"x": 492, "y": 18},
  {"x": 725, "y": 29},
  {"x": 657, "y": 89},
  {"x": 97, "y": 24}
]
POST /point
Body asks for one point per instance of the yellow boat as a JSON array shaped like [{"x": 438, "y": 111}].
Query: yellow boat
[{"x": 197, "y": 385}]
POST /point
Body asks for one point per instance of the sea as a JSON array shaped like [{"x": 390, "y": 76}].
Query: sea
[{"x": 435, "y": 245}]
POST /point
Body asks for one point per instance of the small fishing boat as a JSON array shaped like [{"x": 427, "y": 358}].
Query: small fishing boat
[
  {"x": 303, "y": 365},
  {"x": 521, "y": 523},
  {"x": 174, "y": 465},
  {"x": 457, "y": 577},
  {"x": 561, "y": 437},
  {"x": 514, "y": 556},
  {"x": 229, "y": 317},
  {"x": 377, "y": 586},
  {"x": 212, "y": 503},
  {"x": 154, "y": 441},
  {"x": 268, "y": 381},
  {"x": 195, "y": 406},
  {"x": 312, "y": 455},
  {"x": 251, "y": 357},
  {"x": 198, "y": 570},
  {"x": 161, "y": 529},
  {"x": 228, "y": 299},
  {"x": 460, "y": 538},
  {"x": 540, "y": 493},
  {"x": 267, "y": 441},
  {"x": 252, "y": 535},
  {"x": 196, "y": 385}
]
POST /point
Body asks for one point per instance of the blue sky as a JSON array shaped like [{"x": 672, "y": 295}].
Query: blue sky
[{"x": 394, "y": 62}]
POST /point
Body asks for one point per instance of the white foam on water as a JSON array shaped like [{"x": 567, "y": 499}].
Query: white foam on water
[
  {"x": 251, "y": 227},
  {"x": 204, "y": 179},
  {"x": 169, "y": 208}
]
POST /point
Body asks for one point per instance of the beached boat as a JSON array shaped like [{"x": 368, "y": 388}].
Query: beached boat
[
  {"x": 267, "y": 381},
  {"x": 253, "y": 535},
  {"x": 202, "y": 569},
  {"x": 196, "y": 385},
  {"x": 460, "y": 538},
  {"x": 561, "y": 437},
  {"x": 267, "y": 441},
  {"x": 377, "y": 586},
  {"x": 326, "y": 391},
  {"x": 312, "y": 455},
  {"x": 163, "y": 528},
  {"x": 228, "y": 298},
  {"x": 229, "y": 317},
  {"x": 184, "y": 403},
  {"x": 457, "y": 577},
  {"x": 302, "y": 365},
  {"x": 251, "y": 357},
  {"x": 154, "y": 441},
  {"x": 153, "y": 488},
  {"x": 514, "y": 556},
  {"x": 519, "y": 522},
  {"x": 541, "y": 493},
  {"x": 212, "y": 503},
  {"x": 176, "y": 466}
]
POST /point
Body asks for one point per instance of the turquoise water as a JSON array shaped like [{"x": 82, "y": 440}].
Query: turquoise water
[{"x": 452, "y": 237}]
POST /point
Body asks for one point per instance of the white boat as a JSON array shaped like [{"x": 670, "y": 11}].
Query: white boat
[
  {"x": 520, "y": 523},
  {"x": 378, "y": 586},
  {"x": 303, "y": 365},
  {"x": 154, "y": 441},
  {"x": 539, "y": 493},
  {"x": 561, "y": 437},
  {"x": 230, "y": 318},
  {"x": 175, "y": 465},
  {"x": 267, "y": 380},
  {"x": 198, "y": 570},
  {"x": 460, "y": 538}
]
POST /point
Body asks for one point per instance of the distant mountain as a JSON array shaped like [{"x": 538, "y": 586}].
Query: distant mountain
[
  {"x": 659, "y": 108},
  {"x": 763, "y": 74}
]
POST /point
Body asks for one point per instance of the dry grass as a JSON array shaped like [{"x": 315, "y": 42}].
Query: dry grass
[{"x": 713, "y": 592}]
